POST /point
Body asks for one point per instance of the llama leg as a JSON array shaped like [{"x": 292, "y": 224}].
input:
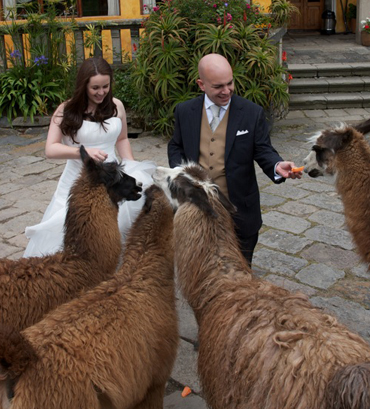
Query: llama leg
[{"x": 153, "y": 399}]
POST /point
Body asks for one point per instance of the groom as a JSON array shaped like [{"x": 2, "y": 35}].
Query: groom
[{"x": 225, "y": 134}]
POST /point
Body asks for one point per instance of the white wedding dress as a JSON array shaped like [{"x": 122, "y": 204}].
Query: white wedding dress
[{"x": 47, "y": 236}]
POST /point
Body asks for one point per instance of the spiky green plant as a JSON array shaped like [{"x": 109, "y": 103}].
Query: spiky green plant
[{"x": 166, "y": 68}]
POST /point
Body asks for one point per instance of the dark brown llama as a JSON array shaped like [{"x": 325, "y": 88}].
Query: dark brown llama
[
  {"x": 112, "y": 347},
  {"x": 30, "y": 287},
  {"x": 260, "y": 346},
  {"x": 344, "y": 151}
]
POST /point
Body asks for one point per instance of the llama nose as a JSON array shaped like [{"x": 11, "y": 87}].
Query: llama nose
[{"x": 140, "y": 184}]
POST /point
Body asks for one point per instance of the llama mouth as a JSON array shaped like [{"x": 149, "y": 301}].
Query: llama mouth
[{"x": 314, "y": 173}]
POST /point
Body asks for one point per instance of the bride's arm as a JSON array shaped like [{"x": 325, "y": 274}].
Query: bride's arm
[
  {"x": 55, "y": 149},
  {"x": 123, "y": 143}
]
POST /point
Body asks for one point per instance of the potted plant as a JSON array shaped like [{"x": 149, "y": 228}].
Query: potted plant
[
  {"x": 282, "y": 12},
  {"x": 365, "y": 32},
  {"x": 351, "y": 16}
]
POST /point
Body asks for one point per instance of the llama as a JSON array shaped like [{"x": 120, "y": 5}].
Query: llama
[
  {"x": 344, "y": 151},
  {"x": 116, "y": 344},
  {"x": 260, "y": 346},
  {"x": 30, "y": 287}
]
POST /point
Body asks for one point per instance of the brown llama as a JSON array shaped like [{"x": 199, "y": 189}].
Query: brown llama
[
  {"x": 114, "y": 346},
  {"x": 344, "y": 151},
  {"x": 30, "y": 287},
  {"x": 260, "y": 346}
]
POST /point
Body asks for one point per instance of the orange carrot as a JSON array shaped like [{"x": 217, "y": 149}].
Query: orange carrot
[
  {"x": 186, "y": 391},
  {"x": 300, "y": 169}
]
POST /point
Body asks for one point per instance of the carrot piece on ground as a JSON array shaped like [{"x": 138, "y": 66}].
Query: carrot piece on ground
[
  {"x": 186, "y": 391},
  {"x": 300, "y": 169}
]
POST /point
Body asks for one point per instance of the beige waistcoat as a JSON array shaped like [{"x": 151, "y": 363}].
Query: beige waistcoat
[{"x": 212, "y": 150}]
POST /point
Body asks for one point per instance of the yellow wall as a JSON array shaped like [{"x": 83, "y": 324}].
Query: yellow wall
[{"x": 340, "y": 27}]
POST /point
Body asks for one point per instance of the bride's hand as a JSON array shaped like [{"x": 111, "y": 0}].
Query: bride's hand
[{"x": 97, "y": 154}]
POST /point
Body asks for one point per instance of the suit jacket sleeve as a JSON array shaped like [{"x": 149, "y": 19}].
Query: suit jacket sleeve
[
  {"x": 175, "y": 148},
  {"x": 264, "y": 153}
]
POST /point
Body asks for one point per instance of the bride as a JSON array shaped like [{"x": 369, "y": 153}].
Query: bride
[{"x": 94, "y": 118}]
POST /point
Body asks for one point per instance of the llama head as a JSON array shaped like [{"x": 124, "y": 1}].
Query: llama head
[
  {"x": 190, "y": 183},
  {"x": 119, "y": 185},
  {"x": 326, "y": 145}
]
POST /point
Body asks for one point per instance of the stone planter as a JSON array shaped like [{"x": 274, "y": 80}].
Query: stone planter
[{"x": 365, "y": 38}]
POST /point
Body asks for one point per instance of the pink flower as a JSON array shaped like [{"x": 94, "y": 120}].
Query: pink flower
[
  {"x": 155, "y": 8},
  {"x": 215, "y": 6},
  {"x": 229, "y": 17}
]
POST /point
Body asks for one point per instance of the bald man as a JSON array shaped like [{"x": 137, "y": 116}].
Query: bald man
[{"x": 225, "y": 134}]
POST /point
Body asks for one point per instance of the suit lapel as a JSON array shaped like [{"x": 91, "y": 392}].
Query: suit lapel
[
  {"x": 194, "y": 124},
  {"x": 235, "y": 116}
]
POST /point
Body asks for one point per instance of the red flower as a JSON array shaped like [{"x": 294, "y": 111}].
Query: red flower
[
  {"x": 284, "y": 56},
  {"x": 245, "y": 16},
  {"x": 290, "y": 77},
  {"x": 367, "y": 27},
  {"x": 134, "y": 47}
]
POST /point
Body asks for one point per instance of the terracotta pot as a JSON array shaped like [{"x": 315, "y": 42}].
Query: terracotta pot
[
  {"x": 352, "y": 24},
  {"x": 365, "y": 38}
]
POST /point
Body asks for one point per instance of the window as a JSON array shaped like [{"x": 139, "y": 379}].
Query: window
[{"x": 79, "y": 8}]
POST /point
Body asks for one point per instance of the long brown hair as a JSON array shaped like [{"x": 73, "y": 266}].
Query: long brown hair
[{"x": 75, "y": 108}]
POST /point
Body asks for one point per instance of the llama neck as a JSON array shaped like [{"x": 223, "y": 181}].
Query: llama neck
[
  {"x": 91, "y": 227},
  {"x": 150, "y": 239},
  {"x": 352, "y": 181},
  {"x": 206, "y": 253}
]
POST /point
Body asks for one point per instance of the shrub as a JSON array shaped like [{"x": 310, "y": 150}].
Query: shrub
[
  {"x": 165, "y": 70},
  {"x": 123, "y": 87},
  {"x": 40, "y": 74}
]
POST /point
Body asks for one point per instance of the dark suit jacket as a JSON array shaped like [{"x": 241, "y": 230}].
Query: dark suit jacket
[{"x": 242, "y": 149}]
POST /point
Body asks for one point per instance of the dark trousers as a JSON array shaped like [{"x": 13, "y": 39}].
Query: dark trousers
[{"x": 247, "y": 245}]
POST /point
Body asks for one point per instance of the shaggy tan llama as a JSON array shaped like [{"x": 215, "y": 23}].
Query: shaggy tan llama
[
  {"x": 260, "y": 346},
  {"x": 344, "y": 151},
  {"x": 115, "y": 344},
  {"x": 30, "y": 287}
]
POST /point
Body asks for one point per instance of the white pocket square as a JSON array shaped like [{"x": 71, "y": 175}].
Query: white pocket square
[{"x": 241, "y": 132}]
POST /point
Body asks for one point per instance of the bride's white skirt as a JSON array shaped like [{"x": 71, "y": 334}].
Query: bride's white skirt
[{"x": 47, "y": 236}]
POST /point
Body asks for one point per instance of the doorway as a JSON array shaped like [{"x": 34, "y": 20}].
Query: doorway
[{"x": 309, "y": 16}]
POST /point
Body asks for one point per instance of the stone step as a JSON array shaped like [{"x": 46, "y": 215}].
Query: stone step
[
  {"x": 329, "y": 70},
  {"x": 334, "y": 100},
  {"x": 329, "y": 84}
]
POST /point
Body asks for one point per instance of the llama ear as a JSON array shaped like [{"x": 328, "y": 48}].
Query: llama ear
[
  {"x": 84, "y": 155},
  {"x": 87, "y": 160},
  {"x": 226, "y": 202},
  {"x": 150, "y": 195},
  {"x": 339, "y": 139},
  {"x": 200, "y": 198},
  {"x": 363, "y": 127}
]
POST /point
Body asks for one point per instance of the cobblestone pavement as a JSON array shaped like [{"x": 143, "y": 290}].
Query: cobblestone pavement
[{"x": 303, "y": 245}]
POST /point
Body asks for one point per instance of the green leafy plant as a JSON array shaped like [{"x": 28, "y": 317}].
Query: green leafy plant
[
  {"x": 166, "y": 68},
  {"x": 282, "y": 12},
  {"x": 29, "y": 91},
  {"x": 40, "y": 72},
  {"x": 352, "y": 11}
]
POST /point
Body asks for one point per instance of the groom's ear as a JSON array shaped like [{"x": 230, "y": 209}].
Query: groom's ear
[{"x": 200, "y": 84}]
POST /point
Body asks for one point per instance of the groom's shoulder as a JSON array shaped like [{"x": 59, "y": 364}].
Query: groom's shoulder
[{"x": 190, "y": 103}]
